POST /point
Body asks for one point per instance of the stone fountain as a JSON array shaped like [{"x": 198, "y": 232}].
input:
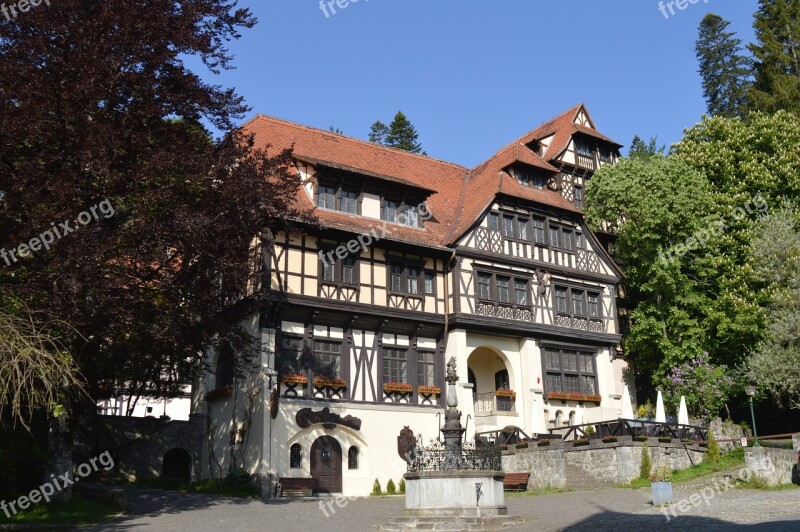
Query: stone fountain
[{"x": 453, "y": 486}]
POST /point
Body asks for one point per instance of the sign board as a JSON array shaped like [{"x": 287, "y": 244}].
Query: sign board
[{"x": 744, "y": 442}]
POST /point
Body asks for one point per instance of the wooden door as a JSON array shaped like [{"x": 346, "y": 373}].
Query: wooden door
[{"x": 326, "y": 464}]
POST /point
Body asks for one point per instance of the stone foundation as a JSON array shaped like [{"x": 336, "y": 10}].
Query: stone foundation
[
  {"x": 774, "y": 466},
  {"x": 454, "y": 494}
]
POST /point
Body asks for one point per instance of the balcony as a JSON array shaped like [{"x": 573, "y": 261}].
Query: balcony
[{"x": 490, "y": 404}]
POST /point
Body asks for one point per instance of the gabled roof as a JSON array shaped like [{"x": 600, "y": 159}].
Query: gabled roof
[
  {"x": 457, "y": 197},
  {"x": 562, "y": 128}
]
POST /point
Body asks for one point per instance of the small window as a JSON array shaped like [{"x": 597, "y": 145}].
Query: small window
[
  {"x": 397, "y": 278},
  {"x": 577, "y": 302},
  {"x": 554, "y": 241},
  {"x": 521, "y": 290},
  {"x": 296, "y": 456},
  {"x": 352, "y": 458},
  {"x": 327, "y": 358},
  {"x": 348, "y": 269},
  {"x": 579, "y": 196},
  {"x": 522, "y": 228},
  {"x": 605, "y": 154},
  {"x": 389, "y": 212},
  {"x": 508, "y": 227},
  {"x": 561, "y": 300},
  {"x": 502, "y": 290},
  {"x": 395, "y": 365},
  {"x": 594, "y": 305},
  {"x": 425, "y": 368},
  {"x": 225, "y": 364},
  {"x": 348, "y": 201},
  {"x": 566, "y": 240},
  {"x": 583, "y": 147},
  {"x": 326, "y": 197},
  {"x": 494, "y": 221},
  {"x": 538, "y": 230},
  {"x": 413, "y": 281},
  {"x": 429, "y": 286},
  {"x": 484, "y": 286},
  {"x": 329, "y": 272}
]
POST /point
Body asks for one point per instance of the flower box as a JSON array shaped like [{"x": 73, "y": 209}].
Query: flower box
[
  {"x": 511, "y": 394},
  {"x": 294, "y": 379},
  {"x": 610, "y": 439},
  {"x": 580, "y": 442},
  {"x": 573, "y": 396},
  {"x": 543, "y": 443},
  {"x": 429, "y": 390},
  {"x": 397, "y": 387},
  {"x": 327, "y": 382}
]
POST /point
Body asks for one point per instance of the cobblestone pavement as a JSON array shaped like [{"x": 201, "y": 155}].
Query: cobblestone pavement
[{"x": 580, "y": 510}]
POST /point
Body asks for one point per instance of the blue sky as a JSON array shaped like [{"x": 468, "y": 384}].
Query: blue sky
[{"x": 473, "y": 75}]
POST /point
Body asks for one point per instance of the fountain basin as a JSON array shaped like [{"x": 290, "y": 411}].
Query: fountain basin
[{"x": 453, "y": 494}]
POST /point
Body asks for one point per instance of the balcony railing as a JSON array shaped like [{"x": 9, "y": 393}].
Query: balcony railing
[{"x": 488, "y": 404}]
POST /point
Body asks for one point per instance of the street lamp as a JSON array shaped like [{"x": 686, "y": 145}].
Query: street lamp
[{"x": 751, "y": 391}]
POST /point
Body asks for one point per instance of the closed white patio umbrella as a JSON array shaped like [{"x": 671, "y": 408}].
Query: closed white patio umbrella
[
  {"x": 661, "y": 416},
  {"x": 538, "y": 423},
  {"x": 626, "y": 408},
  {"x": 683, "y": 413}
]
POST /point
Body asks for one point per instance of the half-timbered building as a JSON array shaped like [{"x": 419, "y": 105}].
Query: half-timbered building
[{"x": 417, "y": 260}]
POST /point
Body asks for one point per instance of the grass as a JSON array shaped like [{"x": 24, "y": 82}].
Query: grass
[
  {"x": 534, "y": 493},
  {"x": 733, "y": 459},
  {"x": 76, "y": 512},
  {"x": 222, "y": 487}
]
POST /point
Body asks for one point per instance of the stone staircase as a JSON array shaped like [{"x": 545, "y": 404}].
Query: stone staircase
[{"x": 578, "y": 479}]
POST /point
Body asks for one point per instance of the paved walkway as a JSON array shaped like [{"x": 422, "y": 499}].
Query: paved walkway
[{"x": 612, "y": 509}]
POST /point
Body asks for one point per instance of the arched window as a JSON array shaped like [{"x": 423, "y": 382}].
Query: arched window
[
  {"x": 352, "y": 458},
  {"x": 559, "y": 418},
  {"x": 296, "y": 456},
  {"x": 572, "y": 418}
]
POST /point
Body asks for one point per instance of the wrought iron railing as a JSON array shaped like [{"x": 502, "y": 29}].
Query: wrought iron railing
[
  {"x": 488, "y": 404},
  {"x": 438, "y": 458}
]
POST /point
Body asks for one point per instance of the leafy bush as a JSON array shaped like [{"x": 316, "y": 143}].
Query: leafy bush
[
  {"x": 647, "y": 465},
  {"x": 705, "y": 385},
  {"x": 662, "y": 474},
  {"x": 390, "y": 488},
  {"x": 713, "y": 449},
  {"x": 376, "y": 488},
  {"x": 402, "y": 485}
]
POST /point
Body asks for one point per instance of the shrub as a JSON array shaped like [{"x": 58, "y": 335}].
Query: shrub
[
  {"x": 713, "y": 449},
  {"x": 589, "y": 430},
  {"x": 647, "y": 465},
  {"x": 390, "y": 488},
  {"x": 402, "y": 485},
  {"x": 376, "y": 488},
  {"x": 662, "y": 474}
]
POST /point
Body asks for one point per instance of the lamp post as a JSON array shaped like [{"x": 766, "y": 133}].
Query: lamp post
[{"x": 751, "y": 391}]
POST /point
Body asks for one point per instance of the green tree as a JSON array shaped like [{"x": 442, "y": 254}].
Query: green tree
[
  {"x": 646, "y": 465},
  {"x": 640, "y": 150},
  {"x": 776, "y": 57},
  {"x": 775, "y": 363},
  {"x": 378, "y": 132},
  {"x": 725, "y": 71},
  {"x": 402, "y": 135}
]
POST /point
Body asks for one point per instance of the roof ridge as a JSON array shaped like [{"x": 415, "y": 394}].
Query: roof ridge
[{"x": 359, "y": 141}]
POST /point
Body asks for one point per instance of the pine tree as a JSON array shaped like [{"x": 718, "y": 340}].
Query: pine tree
[
  {"x": 378, "y": 132},
  {"x": 725, "y": 71},
  {"x": 776, "y": 57},
  {"x": 640, "y": 150},
  {"x": 402, "y": 135}
]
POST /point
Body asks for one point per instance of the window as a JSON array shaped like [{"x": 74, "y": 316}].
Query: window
[
  {"x": 508, "y": 227},
  {"x": 579, "y": 196},
  {"x": 352, "y": 458},
  {"x": 337, "y": 198},
  {"x": 583, "y": 303},
  {"x": 348, "y": 201},
  {"x": 501, "y": 381},
  {"x": 326, "y": 198},
  {"x": 290, "y": 357},
  {"x": 425, "y": 368},
  {"x": 494, "y": 221},
  {"x": 569, "y": 371},
  {"x": 398, "y": 212},
  {"x": 430, "y": 288},
  {"x": 503, "y": 289},
  {"x": 335, "y": 270},
  {"x": 583, "y": 147},
  {"x": 389, "y": 211},
  {"x": 515, "y": 227},
  {"x": 484, "y": 286},
  {"x": 561, "y": 237},
  {"x": 327, "y": 357},
  {"x": 225, "y": 364},
  {"x": 605, "y": 154},
  {"x": 395, "y": 365},
  {"x": 530, "y": 180},
  {"x": 408, "y": 279},
  {"x": 538, "y": 230},
  {"x": 521, "y": 292},
  {"x": 296, "y": 456}
]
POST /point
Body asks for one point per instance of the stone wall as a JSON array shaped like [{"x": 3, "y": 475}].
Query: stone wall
[
  {"x": 727, "y": 430},
  {"x": 617, "y": 462},
  {"x": 774, "y": 466}
]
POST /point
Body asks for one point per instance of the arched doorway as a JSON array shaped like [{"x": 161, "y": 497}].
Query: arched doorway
[
  {"x": 326, "y": 464},
  {"x": 489, "y": 372},
  {"x": 177, "y": 465}
]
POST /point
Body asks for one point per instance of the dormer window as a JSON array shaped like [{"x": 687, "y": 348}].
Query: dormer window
[
  {"x": 400, "y": 213},
  {"x": 337, "y": 198},
  {"x": 605, "y": 154},
  {"x": 583, "y": 147},
  {"x": 530, "y": 180}
]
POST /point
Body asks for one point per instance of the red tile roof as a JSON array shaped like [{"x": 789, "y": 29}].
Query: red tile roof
[{"x": 458, "y": 196}]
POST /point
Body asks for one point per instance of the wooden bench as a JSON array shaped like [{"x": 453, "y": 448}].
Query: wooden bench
[
  {"x": 516, "y": 481},
  {"x": 297, "y": 487}
]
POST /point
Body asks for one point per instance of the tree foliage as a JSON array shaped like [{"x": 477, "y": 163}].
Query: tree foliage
[
  {"x": 776, "y": 55},
  {"x": 400, "y": 134},
  {"x": 724, "y": 69},
  {"x": 640, "y": 150},
  {"x": 114, "y": 114}
]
